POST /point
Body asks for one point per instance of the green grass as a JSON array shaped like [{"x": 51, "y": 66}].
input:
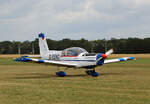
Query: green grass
[{"x": 119, "y": 83}]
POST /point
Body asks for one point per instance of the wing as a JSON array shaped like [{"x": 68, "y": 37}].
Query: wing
[
  {"x": 118, "y": 60},
  {"x": 58, "y": 63}
]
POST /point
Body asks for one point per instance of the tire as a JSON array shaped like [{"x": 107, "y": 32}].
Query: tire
[
  {"x": 94, "y": 74},
  {"x": 61, "y": 74}
]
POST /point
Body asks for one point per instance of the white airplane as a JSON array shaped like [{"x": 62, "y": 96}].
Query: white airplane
[{"x": 74, "y": 57}]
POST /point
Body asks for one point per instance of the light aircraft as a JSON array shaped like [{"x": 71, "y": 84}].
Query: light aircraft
[{"x": 74, "y": 57}]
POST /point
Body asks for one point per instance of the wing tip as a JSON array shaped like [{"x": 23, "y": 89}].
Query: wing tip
[
  {"x": 131, "y": 58},
  {"x": 127, "y": 58}
]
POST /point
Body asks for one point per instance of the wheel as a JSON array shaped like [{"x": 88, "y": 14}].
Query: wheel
[
  {"x": 94, "y": 74},
  {"x": 60, "y": 74}
]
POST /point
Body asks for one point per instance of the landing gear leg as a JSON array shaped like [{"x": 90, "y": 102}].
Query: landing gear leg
[{"x": 88, "y": 72}]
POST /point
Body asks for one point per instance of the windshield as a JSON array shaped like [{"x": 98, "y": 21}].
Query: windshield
[{"x": 74, "y": 51}]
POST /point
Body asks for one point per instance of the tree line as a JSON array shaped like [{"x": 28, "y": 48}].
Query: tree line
[{"x": 120, "y": 46}]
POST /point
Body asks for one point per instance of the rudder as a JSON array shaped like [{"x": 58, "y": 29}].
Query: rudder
[{"x": 44, "y": 50}]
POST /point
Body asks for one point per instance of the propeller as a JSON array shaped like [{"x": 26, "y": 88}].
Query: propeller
[
  {"x": 109, "y": 52},
  {"x": 103, "y": 56}
]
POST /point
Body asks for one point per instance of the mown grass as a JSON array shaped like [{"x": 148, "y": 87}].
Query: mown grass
[{"x": 118, "y": 83}]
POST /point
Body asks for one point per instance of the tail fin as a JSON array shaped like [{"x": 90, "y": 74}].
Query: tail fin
[{"x": 44, "y": 50}]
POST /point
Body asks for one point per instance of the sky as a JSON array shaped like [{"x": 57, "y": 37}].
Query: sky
[{"x": 75, "y": 19}]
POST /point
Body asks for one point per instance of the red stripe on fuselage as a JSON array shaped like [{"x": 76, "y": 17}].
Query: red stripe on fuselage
[{"x": 69, "y": 56}]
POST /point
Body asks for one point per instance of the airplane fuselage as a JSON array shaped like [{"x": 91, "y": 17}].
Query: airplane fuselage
[{"x": 57, "y": 55}]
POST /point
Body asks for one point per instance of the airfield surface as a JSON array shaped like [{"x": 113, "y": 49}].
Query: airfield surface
[{"x": 118, "y": 83}]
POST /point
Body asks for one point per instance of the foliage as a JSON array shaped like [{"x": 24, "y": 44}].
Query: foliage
[{"x": 129, "y": 46}]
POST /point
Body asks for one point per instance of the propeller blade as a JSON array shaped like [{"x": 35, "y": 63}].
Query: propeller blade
[
  {"x": 98, "y": 59},
  {"x": 109, "y": 52}
]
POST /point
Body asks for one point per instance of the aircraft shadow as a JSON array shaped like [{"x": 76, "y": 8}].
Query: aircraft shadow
[{"x": 39, "y": 75}]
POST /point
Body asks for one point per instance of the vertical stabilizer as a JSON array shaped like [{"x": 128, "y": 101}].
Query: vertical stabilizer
[{"x": 44, "y": 50}]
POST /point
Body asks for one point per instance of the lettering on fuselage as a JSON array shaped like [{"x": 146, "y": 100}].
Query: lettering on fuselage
[{"x": 54, "y": 56}]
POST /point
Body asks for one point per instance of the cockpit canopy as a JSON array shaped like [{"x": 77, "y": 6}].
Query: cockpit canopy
[{"x": 74, "y": 51}]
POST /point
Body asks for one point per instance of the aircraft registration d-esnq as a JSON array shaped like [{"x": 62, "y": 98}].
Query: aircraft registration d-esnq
[{"x": 74, "y": 57}]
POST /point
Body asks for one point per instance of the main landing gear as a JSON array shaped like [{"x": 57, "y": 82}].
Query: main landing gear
[
  {"x": 93, "y": 73},
  {"x": 61, "y": 74}
]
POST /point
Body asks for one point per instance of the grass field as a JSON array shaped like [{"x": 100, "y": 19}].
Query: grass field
[{"x": 119, "y": 83}]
